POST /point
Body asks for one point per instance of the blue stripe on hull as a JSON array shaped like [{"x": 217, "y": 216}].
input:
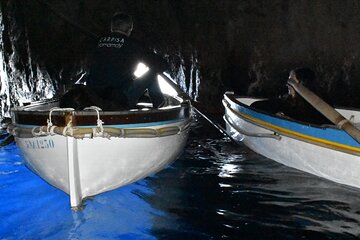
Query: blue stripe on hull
[
  {"x": 328, "y": 134},
  {"x": 135, "y": 125}
]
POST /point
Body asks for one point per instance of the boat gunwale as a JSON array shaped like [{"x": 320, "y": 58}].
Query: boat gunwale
[
  {"x": 292, "y": 134},
  {"x": 88, "y": 117},
  {"x": 233, "y": 98}
]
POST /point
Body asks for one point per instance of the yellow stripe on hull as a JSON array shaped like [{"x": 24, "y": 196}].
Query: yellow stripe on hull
[{"x": 297, "y": 135}]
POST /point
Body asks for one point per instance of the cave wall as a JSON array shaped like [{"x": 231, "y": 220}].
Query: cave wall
[{"x": 247, "y": 46}]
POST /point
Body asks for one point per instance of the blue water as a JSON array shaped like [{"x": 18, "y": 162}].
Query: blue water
[{"x": 215, "y": 190}]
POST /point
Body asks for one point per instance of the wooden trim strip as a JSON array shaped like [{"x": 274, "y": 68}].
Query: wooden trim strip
[{"x": 85, "y": 118}]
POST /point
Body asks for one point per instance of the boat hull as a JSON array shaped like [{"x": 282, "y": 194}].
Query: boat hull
[
  {"x": 98, "y": 164},
  {"x": 90, "y": 151},
  {"x": 294, "y": 149}
]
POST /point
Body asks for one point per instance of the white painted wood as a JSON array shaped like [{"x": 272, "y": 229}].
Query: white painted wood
[
  {"x": 74, "y": 172},
  {"x": 327, "y": 163},
  {"x": 89, "y": 166}
]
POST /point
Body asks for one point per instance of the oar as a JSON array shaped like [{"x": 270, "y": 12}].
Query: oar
[
  {"x": 325, "y": 109},
  {"x": 185, "y": 96},
  {"x": 68, "y": 20}
]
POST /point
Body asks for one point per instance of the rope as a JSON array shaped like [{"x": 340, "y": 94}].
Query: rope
[
  {"x": 68, "y": 130},
  {"x": 56, "y": 109},
  {"x": 106, "y": 132},
  {"x": 39, "y": 133},
  {"x": 342, "y": 122},
  {"x": 99, "y": 122},
  {"x": 229, "y": 121}
]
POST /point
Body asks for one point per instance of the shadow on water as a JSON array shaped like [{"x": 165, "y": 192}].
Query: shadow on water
[
  {"x": 216, "y": 190},
  {"x": 226, "y": 191}
]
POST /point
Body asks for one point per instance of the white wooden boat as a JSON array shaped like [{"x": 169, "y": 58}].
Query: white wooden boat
[
  {"x": 88, "y": 152},
  {"x": 325, "y": 151}
]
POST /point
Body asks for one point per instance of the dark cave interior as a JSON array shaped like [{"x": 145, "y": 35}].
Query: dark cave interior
[{"x": 244, "y": 46}]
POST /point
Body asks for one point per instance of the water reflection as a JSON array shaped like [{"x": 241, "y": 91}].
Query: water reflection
[
  {"x": 228, "y": 191},
  {"x": 216, "y": 190},
  {"x": 32, "y": 209}
]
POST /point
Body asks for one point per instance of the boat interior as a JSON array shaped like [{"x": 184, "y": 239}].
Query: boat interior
[
  {"x": 351, "y": 114},
  {"x": 144, "y": 104},
  {"x": 173, "y": 97}
]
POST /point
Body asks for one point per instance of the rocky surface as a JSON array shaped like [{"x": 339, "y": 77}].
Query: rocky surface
[{"x": 247, "y": 46}]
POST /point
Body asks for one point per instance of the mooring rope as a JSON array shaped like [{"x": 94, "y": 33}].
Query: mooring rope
[
  {"x": 107, "y": 132},
  {"x": 99, "y": 122}
]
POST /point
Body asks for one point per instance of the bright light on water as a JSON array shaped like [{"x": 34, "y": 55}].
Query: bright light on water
[{"x": 141, "y": 69}]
